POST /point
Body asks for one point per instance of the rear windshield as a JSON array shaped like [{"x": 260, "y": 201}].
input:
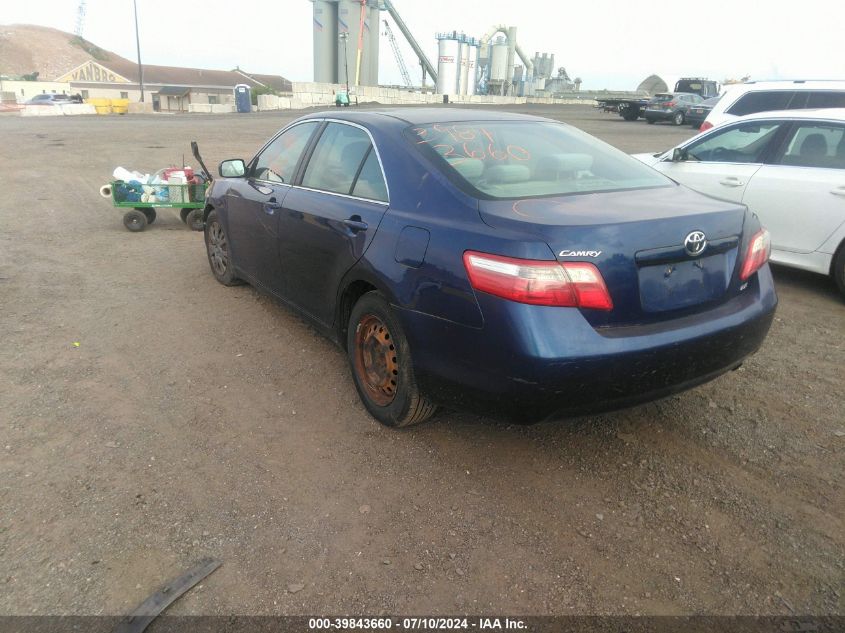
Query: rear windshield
[
  {"x": 688, "y": 86},
  {"x": 663, "y": 96},
  {"x": 507, "y": 159}
]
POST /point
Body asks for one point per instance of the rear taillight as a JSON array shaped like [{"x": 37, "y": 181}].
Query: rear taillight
[
  {"x": 545, "y": 283},
  {"x": 759, "y": 249},
  {"x": 705, "y": 126}
]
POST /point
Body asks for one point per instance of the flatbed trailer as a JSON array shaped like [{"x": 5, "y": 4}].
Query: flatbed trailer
[
  {"x": 632, "y": 109},
  {"x": 628, "y": 109}
]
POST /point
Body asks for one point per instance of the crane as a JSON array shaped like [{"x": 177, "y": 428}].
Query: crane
[
  {"x": 406, "y": 77},
  {"x": 80, "y": 18}
]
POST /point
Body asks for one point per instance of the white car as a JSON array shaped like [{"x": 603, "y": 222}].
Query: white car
[
  {"x": 788, "y": 167},
  {"x": 740, "y": 100}
]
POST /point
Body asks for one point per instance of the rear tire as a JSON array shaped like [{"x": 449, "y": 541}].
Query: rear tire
[
  {"x": 678, "y": 118},
  {"x": 183, "y": 214},
  {"x": 194, "y": 220},
  {"x": 839, "y": 269},
  {"x": 149, "y": 212},
  {"x": 650, "y": 121},
  {"x": 135, "y": 221},
  {"x": 631, "y": 114},
  {"x": 380, "y": 360}
]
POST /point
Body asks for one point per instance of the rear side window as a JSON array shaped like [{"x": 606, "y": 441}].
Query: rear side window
[
  {"x": 522, "y": 159},
  {"x": 370, "y": 182},
  {"x": 826, "y": 99},
  {"x": 816, "y": 145},
  {"x": 277, "y": 161},
  {"x": 761, "y": 101}
]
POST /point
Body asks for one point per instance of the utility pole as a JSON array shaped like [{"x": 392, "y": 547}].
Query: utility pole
[
  {"x": 138, "y": 46},
  {"x": 344, "y": 37}
]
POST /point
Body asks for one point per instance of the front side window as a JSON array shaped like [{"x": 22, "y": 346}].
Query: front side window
[
  {"x": 761, "y": 101},
  {"x": 816, "y": 145},
  {"x": 743, "y": 143},
  {"x": 277, "y": 162},
  {"x": 337, "y": 159},
  {"x": 521, "y": 159}
]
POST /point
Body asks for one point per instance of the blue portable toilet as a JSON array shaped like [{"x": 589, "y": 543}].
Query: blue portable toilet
[{"x": 243, "y": 98}]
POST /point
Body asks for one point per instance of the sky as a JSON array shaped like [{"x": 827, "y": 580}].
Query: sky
[{"x": 611, "y": 44}]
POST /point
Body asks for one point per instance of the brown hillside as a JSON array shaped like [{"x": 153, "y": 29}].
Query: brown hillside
[{"x": 25, "y": 48}]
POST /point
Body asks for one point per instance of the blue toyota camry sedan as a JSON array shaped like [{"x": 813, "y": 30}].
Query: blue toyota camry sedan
[{"x": 502, "y": 263}]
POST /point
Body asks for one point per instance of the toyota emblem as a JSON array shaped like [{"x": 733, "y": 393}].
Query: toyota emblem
[{"x": 695, "y": 243}]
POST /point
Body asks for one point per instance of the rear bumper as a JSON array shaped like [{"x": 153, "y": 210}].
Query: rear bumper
[{"x": 530, "y": 363}]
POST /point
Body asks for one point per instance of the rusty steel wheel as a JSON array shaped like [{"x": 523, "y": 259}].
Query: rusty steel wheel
[
  {"x": 375, "y": 359},
  {"x": 380, "y": 359}
]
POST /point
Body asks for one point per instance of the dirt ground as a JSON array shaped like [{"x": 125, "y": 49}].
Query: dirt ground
[{"x": 196, "y": 420}]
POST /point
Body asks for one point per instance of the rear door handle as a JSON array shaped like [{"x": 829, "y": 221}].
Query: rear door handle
[
  {"x": 731, "y": 181},
  {"x": 839, "y": 191},
  {"x": 355, "y": 225}
]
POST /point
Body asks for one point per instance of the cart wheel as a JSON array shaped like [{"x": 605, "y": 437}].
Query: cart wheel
[
  {"x": 194, "y": 220},
  {"x": 184, "y": 213},
  {"x": 135, "y": 220},
  {"x": 149, "y": 212}
]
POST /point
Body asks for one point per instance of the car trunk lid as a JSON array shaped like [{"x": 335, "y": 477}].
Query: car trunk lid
[{"x": 637, "y": 241}]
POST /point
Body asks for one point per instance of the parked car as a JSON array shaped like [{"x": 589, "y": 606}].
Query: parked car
[
  {"x": 788, "y": 167},
  {"x": 53, "y": 99},
  {"x": 670, "y": 106},
  {"x": 492, "y": 261},
  {"x": 699, "y": 111},
  {"x": 770, "y": 96}
]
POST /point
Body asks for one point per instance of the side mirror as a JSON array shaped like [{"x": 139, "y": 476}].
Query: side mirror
[
  {"x": 234, "y": 168},
  {"x": 679, "y": 155}
]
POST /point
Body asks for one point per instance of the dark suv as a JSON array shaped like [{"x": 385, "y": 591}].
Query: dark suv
[{"x": 670, "y": 106}]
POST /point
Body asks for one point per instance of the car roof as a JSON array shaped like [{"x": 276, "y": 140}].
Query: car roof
[
  {"x": 420, "y": 116},
  {"x": 788, "y": 83},
  {"x": 835, "y": 114}
]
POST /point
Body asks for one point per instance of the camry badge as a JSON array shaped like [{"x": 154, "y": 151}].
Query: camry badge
[
  {"x": 695, "y": 243},
  {"x": 565, "y": 253}
]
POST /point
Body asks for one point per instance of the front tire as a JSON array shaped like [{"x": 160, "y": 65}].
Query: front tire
[
  {"x": 135, "y": 221},
  {"x": 217, "y": 248},
  {"x": 839, "y": 269},
  {"x": 380, "y": 359}
]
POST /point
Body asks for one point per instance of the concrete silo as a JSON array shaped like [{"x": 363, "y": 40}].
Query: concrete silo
[
  {"x": 498, "y": 66},
  {"x": 463, "y": 67},
  {"x": 472, "y": 67},
  {"x": 448, "y": 60},
  {"x": 325, "y": 41}
]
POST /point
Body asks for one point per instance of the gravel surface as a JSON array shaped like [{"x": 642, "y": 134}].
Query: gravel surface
[{"x": 196, "y": 420}]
